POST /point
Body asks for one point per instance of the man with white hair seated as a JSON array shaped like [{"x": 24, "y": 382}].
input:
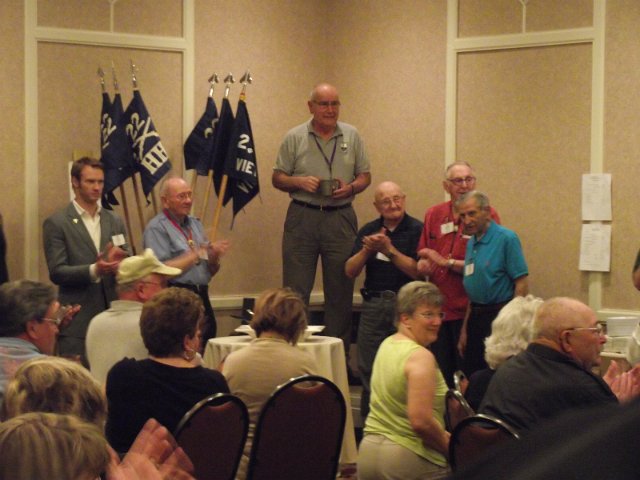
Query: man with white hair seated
[
  {"x": 554, "y": 374},
  {"x": 115, "y": 333}
]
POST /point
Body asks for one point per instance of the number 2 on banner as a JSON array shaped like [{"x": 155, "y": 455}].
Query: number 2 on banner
[{"x": 244, "y": 139}]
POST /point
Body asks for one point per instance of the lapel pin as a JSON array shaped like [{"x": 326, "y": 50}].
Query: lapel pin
[{"x": 75, "y": 220}]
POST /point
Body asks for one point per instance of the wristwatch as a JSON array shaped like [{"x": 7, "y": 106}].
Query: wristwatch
[
  {"x": 450, "y": 263},
  {"x": 391, "y": 254}
]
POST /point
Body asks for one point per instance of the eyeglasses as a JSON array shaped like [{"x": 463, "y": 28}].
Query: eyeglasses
[
  {"x": 459, "y": 181},
  {"x": 184, "y": 196},
  {"x": 55, "y": 321},
  {"x": 153, "y": 283},
  {"x": 323, "y": 104},
  {"x": 393, "y": 200},
  {"x": 431, "y": 315},
  {"x": 598, "y": 330},
  {"x": 59, "y": 315}
]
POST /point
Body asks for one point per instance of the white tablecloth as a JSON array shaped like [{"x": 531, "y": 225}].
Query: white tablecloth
[{"x": 329, "y": 355}]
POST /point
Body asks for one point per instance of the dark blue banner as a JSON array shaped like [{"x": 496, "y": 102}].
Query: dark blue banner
[
  {"x": 240, "y": 165},
  {"x": 150, "y": 157},
  {"x": 199, "y": 144}
]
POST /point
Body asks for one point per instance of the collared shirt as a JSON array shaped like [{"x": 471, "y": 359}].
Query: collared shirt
[
  {"x": 300, "y": 156},
  {"x": 381, "y": 274},
  {"x": 541, "y": 383},
  {"x": 443, "y": 234},
  {"x": 91, "y": 222},
  {"x": 169, "y": 242},
  {"x": 113, "y": 335},
  {"x": 497, "y": 261},
  {"x": 14, "y": 352}
]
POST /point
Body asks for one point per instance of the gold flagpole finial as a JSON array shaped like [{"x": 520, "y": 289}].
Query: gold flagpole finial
[
  {"x": 228, "y": 80},
  {"x": 133, "y": 74},
  {"x": 213, "y": 79},
  {"x": 245, "y": 80}
]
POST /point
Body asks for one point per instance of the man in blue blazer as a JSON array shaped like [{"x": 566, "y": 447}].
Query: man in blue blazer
[{"x": 83, "y": 245}]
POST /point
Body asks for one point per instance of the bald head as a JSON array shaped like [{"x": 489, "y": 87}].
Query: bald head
[
  {"x": 321, "y": 90},
  {"x": 389, "y": 200},
  {"x": 386, "y": 189},
  {"x": 176, "y": 196},
  {"x": 558, "y": 314},
  {"x": 324, "y": 105}
]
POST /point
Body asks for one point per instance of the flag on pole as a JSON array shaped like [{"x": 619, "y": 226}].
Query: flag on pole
[
  {"x": 116, "y": 154},
  {"x": 241, "y": 166},
  {"x": 222, "y": 138},
  {"x": 199, "y": 144},
  {"x": 150, "y": 157}
]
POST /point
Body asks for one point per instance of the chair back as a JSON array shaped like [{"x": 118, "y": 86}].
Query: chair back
[
  {"x": 299, "y": 432},
  {"x": 213, "y": 434},
  {"x": 460, "y": 381},
  {"x": 456, "y": 409},
  {"x": 475, "y": 435}
]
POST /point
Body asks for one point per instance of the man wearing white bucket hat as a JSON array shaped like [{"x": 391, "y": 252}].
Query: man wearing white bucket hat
[{"x": 115, "y": 333}]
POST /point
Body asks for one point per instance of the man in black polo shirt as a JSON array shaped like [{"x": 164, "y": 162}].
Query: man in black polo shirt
[{"x": 387, "y": 247}]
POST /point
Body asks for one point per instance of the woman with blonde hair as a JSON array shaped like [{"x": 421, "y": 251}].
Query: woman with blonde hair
[
  {"x": 404, "y": 435},
  {"x": 272, "y": 358},
  {"x": 58, "y": 385},
  {"x": 42, "y": 446}
]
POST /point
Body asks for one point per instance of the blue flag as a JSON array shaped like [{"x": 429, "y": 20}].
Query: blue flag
[
  {"x": 241, "y": 166},
  {"x": 224, "y": 130},
  {"x": 199, "y": 144},
  {"x": 150, "y": 157},
  {"x": 116, "y": 153}
]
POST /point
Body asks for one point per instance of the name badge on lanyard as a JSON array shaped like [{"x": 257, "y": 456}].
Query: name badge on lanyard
[{"x": 468, "y": 269}]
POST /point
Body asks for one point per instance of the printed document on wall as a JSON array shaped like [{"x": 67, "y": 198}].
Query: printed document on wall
[
  {"x": 595, "y": 248},
  {"x": 596, "y": 197}
]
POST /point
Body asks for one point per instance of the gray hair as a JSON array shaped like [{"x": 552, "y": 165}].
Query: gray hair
[
  {"x": 22, "y": 301},
  {"x": 417, "y": 293},
  {"x": 456, "y": 164},
  {"x": 511, "y": 331},
  {"x": 164, "y": 186},
  {"x": 482, "y": 200}
]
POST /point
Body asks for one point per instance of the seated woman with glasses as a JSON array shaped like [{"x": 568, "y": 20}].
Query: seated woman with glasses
[
  {"x": 272, "y": 358},
  {"x": 171, "y": 381},
  {"x": 404, "y": 435}
]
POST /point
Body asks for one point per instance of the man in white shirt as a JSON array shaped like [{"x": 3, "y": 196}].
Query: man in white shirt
[
  {"x": 115, "y": 333},
  {"x": 83, "y": 245}
]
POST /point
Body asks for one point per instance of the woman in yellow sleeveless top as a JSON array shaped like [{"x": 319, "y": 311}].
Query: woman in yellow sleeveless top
[{"x": 404, "y": 435}]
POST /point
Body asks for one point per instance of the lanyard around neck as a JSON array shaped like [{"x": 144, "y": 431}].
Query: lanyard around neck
[
  {"x": 333, "y": 153},
  {"x": 189, "y": 237}
]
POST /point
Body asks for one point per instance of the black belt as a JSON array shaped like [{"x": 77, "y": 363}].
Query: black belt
[
  {"x": 384, "y": 294},
  {"x": 192, "y": 287},
  {"x": 324, "y": 208}
]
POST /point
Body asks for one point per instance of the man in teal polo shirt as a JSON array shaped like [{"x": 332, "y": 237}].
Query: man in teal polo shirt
[{"x": 495, "y": 271}]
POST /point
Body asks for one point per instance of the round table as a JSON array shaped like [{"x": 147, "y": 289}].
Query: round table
[{"x": 330, "y": 359}]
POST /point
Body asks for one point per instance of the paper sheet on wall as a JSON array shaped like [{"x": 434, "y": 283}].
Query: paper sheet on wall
[
  {"x": 595, "y": 248},
  {"x": 596, "y": 197}
]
